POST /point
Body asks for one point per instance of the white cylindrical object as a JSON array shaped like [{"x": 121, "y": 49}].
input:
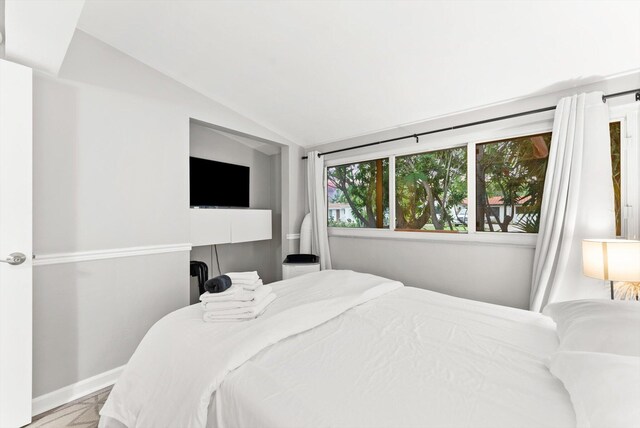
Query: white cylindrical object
[{"x": 305, "y": 235}]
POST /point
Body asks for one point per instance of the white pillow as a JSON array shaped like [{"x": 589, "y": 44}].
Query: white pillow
[
  {"x": 604, "y": 388},
  {"x": 611, "y": 326}
]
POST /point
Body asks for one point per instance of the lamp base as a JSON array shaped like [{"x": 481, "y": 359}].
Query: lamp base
[{"x": 626, "y": 290}]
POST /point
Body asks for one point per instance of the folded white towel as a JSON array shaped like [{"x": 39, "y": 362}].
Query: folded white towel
[
  {"x": 240, "y": 313},
  {"x": 243, "y": 276},
  {"x": 246, "y": 281},
  {"x": 251, "y": 287},
  {"x": 252, "y": 298},
  {"x": 226, "y": 294}
]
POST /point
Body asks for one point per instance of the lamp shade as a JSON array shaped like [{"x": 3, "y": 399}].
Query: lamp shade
[{"x": 611, "y": 259}]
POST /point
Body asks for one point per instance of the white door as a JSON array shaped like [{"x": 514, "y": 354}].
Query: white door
[{"x": 15, "y": 244}]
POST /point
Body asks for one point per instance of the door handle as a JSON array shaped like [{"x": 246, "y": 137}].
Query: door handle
[{"x": 14, "y": 259}]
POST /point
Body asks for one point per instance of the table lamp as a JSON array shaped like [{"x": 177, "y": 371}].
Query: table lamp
[{"x": 613, "y": 260}]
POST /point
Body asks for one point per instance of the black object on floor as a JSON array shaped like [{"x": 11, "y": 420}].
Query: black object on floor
[
  {"x": 218, "y": 284},
  {"x": 200, "y": 270},
  {"x": 301, "y": 258}
]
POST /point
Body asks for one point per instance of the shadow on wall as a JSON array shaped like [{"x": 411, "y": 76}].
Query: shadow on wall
[
  {"x": 568, "y": 87},
  {"x": 90, "y": 316},
  {"x": 548, "y": 96},
  {"x": 543, "y": 97},
  {"x": 92, "y": 61},
  {"x": 55, "y": 327},
  {"x": 55, "y": 215}
]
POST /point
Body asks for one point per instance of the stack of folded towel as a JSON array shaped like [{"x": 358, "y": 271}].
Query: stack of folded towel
[
  {"x": 248, "y": 280},
  {"x": 245, "y": 299}
]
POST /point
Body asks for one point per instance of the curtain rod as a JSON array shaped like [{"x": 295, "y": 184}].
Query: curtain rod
[{"x": 466, "y": 125}]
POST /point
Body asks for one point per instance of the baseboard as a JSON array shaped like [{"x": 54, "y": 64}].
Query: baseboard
[{"x": 74, "y": 391}]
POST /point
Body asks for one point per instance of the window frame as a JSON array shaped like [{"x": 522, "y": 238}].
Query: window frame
[
  {"x": 326, "y": 196},
  {"x": 474, "y": 185},
  {"x": 627, "y": 114},
  {"x": 422, "y": 152},
  {"x": 629, "y": 117}
]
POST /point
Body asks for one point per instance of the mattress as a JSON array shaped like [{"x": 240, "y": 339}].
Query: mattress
[{"x": 411, "y": 358}]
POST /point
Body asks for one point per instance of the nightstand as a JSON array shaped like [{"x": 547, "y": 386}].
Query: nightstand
[{"x": 291, "y": 270}]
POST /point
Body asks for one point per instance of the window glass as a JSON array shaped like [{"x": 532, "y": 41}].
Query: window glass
[
  {"x": 509, "y": 183},
  {"x": 358, "y": 194},
  {"x": 614, "y": 133},
  {"x": 431, "y": 191},
  {"x": 431, "y": 188}
]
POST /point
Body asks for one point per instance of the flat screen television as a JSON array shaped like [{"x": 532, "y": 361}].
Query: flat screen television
[{"x": 217, "y": 184}]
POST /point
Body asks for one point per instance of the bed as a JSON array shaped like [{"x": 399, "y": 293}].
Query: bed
[{"x": 345, "y": 349}]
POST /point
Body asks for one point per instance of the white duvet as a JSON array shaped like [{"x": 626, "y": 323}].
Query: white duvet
[
  {"x": 180, "y": 363},
  {"x": 350, "y": 350},
  {"x": 412, "y": 358}
]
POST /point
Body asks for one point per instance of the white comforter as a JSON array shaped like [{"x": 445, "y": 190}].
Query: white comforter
[
  {"x": 181, "y": 362},
  {"x": 412, "y": 358}
]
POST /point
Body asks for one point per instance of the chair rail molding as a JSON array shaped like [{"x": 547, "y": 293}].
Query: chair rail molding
[{"x": 113, "y": 253}]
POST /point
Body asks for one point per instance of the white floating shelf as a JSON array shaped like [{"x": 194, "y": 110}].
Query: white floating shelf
[{"x": 228, "y": 226}]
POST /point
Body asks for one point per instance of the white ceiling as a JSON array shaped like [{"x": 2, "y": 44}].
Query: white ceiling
[
  {"x": 319, "y": 71},
  {"x": 38, "y": 32}
]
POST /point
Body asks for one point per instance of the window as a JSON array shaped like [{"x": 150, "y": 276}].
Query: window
[
  {"x": 614, "y": 134},
  {"x": 430, "y": 191},
  {"x": 509, "y": 183},
  {"x": 358, "y": 194}
]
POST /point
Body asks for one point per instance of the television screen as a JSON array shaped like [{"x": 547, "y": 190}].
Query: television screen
[{"x": 218, "y": 184}]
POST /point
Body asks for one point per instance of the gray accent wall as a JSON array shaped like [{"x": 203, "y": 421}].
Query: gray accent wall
[
  {"x": 491, "y": 273},
  {"x": 111, "y": 147},
  {"x": 264, "y": 193},
  {"x": 89, "y": 317}
]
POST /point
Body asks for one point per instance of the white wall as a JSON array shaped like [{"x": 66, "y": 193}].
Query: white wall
[
  {"x": 89, "y": 317},
  {"x": 111, "y": 147},
  {"x": 110, "y": 169},
  {"x": 497, "y": 273},
  {"x": 264, "y": 194},
  {"x": 491, "y": 273},
  {"x": 2, "y": 27}
]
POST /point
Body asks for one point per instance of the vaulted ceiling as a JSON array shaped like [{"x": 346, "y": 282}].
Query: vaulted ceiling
[{"x": 320, "y": 71}]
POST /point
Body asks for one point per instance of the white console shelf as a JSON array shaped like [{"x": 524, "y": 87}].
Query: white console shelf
[{"x": 228, "y": 226}]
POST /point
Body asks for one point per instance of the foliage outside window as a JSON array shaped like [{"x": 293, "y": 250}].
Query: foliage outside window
[
  {"x": 430, "y": 190},
  {"x": 509, "y": 183},
  {"x": 358, "y": 194},
  {"x": 614, "y": 133}
]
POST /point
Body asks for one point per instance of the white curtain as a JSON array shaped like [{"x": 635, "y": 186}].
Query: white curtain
[
  {"x": 316, "y": 192},
  {"x": 577, "y": 201}
]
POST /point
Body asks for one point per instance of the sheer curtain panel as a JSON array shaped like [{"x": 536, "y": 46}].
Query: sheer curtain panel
[
  {"x": 316, "y": 192},
  {"x": 577, "y": 201}
]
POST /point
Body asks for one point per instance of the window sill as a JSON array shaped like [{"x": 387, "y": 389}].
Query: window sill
[{"x": 480, "y": 238}]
